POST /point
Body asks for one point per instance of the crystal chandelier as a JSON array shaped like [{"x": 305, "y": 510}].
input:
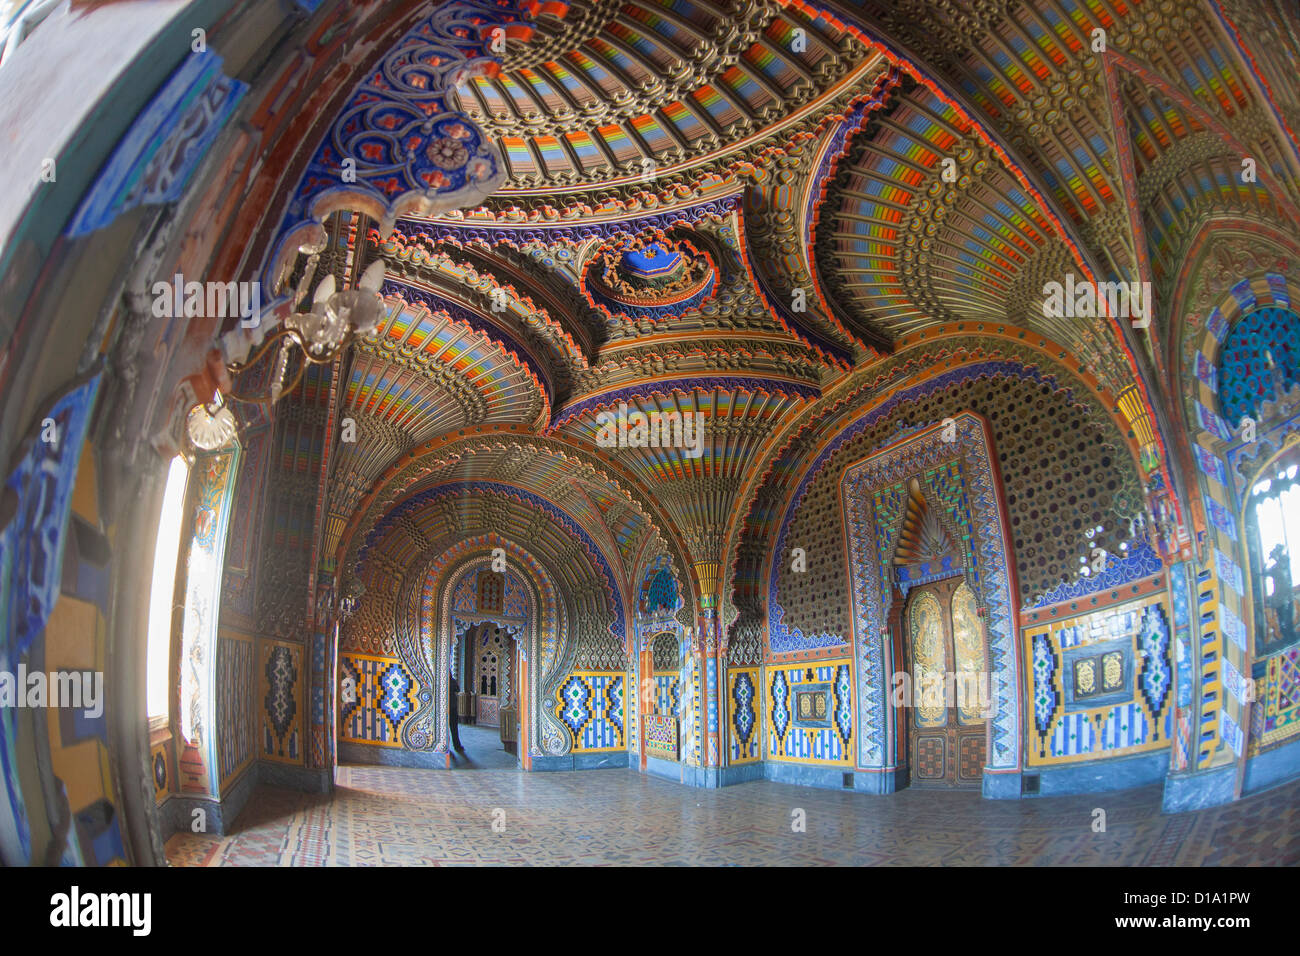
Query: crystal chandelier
[{"x": 320, "y": 332}]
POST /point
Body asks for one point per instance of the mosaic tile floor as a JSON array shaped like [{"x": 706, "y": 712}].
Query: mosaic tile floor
[{"x": 388, "y": 816}]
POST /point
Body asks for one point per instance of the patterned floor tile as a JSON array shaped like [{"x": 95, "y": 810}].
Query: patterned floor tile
[{"x": 383, "y": 816}]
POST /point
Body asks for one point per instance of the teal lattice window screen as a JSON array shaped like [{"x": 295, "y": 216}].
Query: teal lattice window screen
[{"x": 1261, "y": 342}]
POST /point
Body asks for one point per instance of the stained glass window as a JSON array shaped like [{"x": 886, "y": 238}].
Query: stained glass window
[
  {"x": 1261, "y": 340},
  {"x": 491, "y": 586}
]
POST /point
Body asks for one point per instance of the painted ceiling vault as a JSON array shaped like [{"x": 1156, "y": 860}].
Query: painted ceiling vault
[{"x": 770, "y": 216}]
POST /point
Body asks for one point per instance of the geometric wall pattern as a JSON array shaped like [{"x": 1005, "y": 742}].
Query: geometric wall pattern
[
  {"x": 744, "y": 709},
  {"x": 1181, "y": 653},
  {"x": 384, "y": 696},
  {"x": 1050, "y": 431},
  {"x": 668, "y": 693},
  {"x": 1099, "y": 683},
  {"x": 158, "y": 761},
  {"x": 690, "y": 713},
  {"x": 661, "y": 736},
  {"x": 830, "y": 740},
  {"x": 73, "y": 639},
  {"x": 1211, "y": 608},
  {"x": 280, "y": 694},
  {"x": 236, "y": 680},
  {"x": 1277, "y": 707},
  {"x": 1249, "y": 326},
  {"x": 591, "y": 706},
  {"x": 1260, "y": 341}
]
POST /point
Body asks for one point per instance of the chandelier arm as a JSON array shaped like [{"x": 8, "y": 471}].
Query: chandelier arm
[
  {"x": 297, "y": 377},
  {"x": 294, "y": 336},
  {"x": 237, "y": 367}
]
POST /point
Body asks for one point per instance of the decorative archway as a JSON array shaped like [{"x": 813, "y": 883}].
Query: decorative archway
[
  {"x": 488, "y": 673},
  {"x": 1231, "y": 377},
  {"x": 659, "y": 599},
  {"x": 954, "y": 460},
  {"x": 427, "y": 618}
]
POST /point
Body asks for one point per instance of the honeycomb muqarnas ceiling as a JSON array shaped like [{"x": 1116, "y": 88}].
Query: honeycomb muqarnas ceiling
[{"x": 770, "y": 214}]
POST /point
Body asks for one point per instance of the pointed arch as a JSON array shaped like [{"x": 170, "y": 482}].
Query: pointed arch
[{"x": 867, "y": 487}]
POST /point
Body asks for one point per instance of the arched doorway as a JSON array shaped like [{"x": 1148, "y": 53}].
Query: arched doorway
[
  {"x": 663, "y": 698},
  {"x": 946, "y": 655},
  {"x": 924, "y": 510},
  {"x": 489, "y": 618},
  {"x": 488, "y": 674},
  {"x": 485, "y": 663},
  {"x": 439, "y": 607}
]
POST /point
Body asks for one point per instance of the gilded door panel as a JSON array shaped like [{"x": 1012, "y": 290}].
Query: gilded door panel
[
  {"x": 968, "y": 646},
  {"x": 928, "y": 658}
]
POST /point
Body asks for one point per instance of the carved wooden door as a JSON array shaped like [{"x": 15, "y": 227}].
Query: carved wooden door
[
  {"x": 492, "y": 673},
  {"x": 949, "y": 686}
]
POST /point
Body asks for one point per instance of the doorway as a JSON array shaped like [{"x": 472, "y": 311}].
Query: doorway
[
  {"x": 947, "y": 658},
  {"x": 486, "y": 664}
]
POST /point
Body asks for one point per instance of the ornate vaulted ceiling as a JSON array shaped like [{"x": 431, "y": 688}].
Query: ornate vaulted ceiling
[
  {"x": 655, "y": 93},
  {"x": 768, "y": 214}
]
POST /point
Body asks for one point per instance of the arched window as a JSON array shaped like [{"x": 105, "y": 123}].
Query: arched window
[
  {"x": 1273, "y": 536},
  {"x": 491, "y": 585},
  {"x": 163, "y": 590}
]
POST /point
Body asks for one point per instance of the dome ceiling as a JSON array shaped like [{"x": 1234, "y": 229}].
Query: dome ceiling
[
  {"x": 898, "y": 247},
  {"x": 617, "y": 93},
  {"x": 735, "y": 210}
]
